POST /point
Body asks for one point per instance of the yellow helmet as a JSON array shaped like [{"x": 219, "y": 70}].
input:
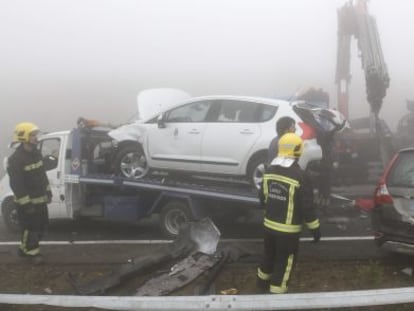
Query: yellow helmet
[
  {"x": 290, "y": 146},
  {"x": 23, "y": 130}
]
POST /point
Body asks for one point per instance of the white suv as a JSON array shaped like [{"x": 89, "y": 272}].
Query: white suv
[{"x": 219, "y": 135}]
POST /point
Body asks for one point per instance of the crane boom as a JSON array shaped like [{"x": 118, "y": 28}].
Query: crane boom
[{"x": 354, "y": 20}]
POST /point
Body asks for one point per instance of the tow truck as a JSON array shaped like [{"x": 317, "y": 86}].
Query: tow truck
[
  {"x": 84, "y": 187},
  {"x": 369, "y": 144},
  {"x": 355, "y": 21}
]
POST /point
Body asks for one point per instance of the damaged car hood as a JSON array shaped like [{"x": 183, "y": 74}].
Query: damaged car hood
[{"x": 134, "y": 131}]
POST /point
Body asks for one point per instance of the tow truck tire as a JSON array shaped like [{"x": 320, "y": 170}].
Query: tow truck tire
[
  {"x": 172, "y": 216},
  {"x": 256, "y": 168},
  {"x": 131, "y": 162},
  {"x": 9, "y": 212}
]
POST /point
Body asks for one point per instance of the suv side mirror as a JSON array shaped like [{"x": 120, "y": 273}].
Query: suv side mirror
[
  {"x": 161, "y": 121},
  {"x": 50, "y": 162}
]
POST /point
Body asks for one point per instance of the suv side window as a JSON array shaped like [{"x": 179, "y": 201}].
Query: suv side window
[
  {"x": 267, "y": 112},
  {"x": 250, "y": 112},
  {"x": 230, "y": 110},
  {"x": 194, "y": 112},
  {"x": 244, "y": 111}
]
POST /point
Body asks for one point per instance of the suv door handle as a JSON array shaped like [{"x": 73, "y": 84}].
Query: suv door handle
[
  {"x": 194, "y": 131},
  {"x": 246, "y": 132}
]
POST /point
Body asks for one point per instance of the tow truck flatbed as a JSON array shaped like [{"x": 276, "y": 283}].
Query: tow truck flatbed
[{"x": 196, "y": 187}]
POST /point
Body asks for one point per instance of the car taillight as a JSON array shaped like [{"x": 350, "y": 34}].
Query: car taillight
[
  {"x": 307, "y": 131},
  {"x": 382, "y": 196}
]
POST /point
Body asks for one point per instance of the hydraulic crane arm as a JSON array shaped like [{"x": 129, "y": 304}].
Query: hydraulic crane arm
[{"x": 354, "y": 20}]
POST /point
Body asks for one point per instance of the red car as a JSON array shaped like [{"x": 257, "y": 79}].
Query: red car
[{"x": 393, "y": 212}]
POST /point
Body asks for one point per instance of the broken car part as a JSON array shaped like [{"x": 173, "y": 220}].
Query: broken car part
[{"x": 201, "y": 236}]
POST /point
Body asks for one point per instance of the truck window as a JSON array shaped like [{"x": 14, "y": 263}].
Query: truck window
[{"x": 50, "y": 146}]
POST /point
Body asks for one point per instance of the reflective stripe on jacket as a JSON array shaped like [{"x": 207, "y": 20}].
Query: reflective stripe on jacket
[{"x": 287, "y": 195}]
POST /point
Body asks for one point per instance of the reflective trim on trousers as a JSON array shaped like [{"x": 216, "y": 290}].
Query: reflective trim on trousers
[
  {"x": 23, "y": 245},
  {"x": 277, "y": 289},
  {"x": 262, "y": 275},
  {"x": 313, "y": 224},
  {"x": 286, "y": 276}
]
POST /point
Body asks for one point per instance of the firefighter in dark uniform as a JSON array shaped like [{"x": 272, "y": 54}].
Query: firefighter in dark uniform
[
  {"x": 287, "y": 196},
  {"x": 31, "y": 189}
]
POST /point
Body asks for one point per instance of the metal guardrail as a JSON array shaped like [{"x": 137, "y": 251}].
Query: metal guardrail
[
  {"x": 305, "y": 301},
  {"x": 148, "y": 242}
]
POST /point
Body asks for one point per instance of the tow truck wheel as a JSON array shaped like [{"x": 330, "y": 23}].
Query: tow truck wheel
[
  {"x": 131, "y": 162},
  {"x": 256, "y": 168},
  {"x": 172, "y": 216},
  {"x": 9, "y": 212}
]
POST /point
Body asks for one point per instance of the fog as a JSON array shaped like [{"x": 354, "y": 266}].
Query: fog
[{"x": 63, "y": 59}]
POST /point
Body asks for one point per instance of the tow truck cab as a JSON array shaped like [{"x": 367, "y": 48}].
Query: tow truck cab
[{"x": 69, "y": 200}]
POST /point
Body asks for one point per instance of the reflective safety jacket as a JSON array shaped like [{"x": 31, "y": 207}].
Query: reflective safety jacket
[
  {"x": 28, "y": 178},
  {"x": 287, "y": 195}
]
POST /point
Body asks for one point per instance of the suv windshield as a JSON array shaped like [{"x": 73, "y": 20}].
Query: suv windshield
[{"x": 402, "y": 173}]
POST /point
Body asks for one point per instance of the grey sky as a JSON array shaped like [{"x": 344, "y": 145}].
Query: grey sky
[{"x": 61, "y": 59}]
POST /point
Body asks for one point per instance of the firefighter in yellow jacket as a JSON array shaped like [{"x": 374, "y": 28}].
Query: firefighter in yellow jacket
[
  {"x": 287, "y": 196},
  {"x": 31, "y": 189}
]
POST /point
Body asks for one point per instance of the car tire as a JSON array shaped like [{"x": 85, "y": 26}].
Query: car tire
[
  {"x": 131, "y": 162},
  {"x": 172, "y": 216},
  {"x": 9, "y": 212},
  {"x": 256, "y": 168}
]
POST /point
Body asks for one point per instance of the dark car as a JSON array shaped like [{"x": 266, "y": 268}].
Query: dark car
[{"x": 393, "y": 212}]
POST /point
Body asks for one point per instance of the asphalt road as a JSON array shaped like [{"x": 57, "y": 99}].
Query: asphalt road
[
  {"x": 346, "y": 233},
  {"x": 346, "y": 230},
  {"x": 336, "y": 222}
]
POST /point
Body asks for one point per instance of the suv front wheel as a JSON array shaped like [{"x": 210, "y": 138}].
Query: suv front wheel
[
  {"x": 131, "y": 162},
  {"x": 256, "y": 169}
]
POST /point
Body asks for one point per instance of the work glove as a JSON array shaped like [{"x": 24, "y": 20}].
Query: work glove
[{"x": 316, "y": 233}]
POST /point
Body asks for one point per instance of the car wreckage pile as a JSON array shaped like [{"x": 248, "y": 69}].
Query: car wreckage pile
[{"x": 194, "y": 252}]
